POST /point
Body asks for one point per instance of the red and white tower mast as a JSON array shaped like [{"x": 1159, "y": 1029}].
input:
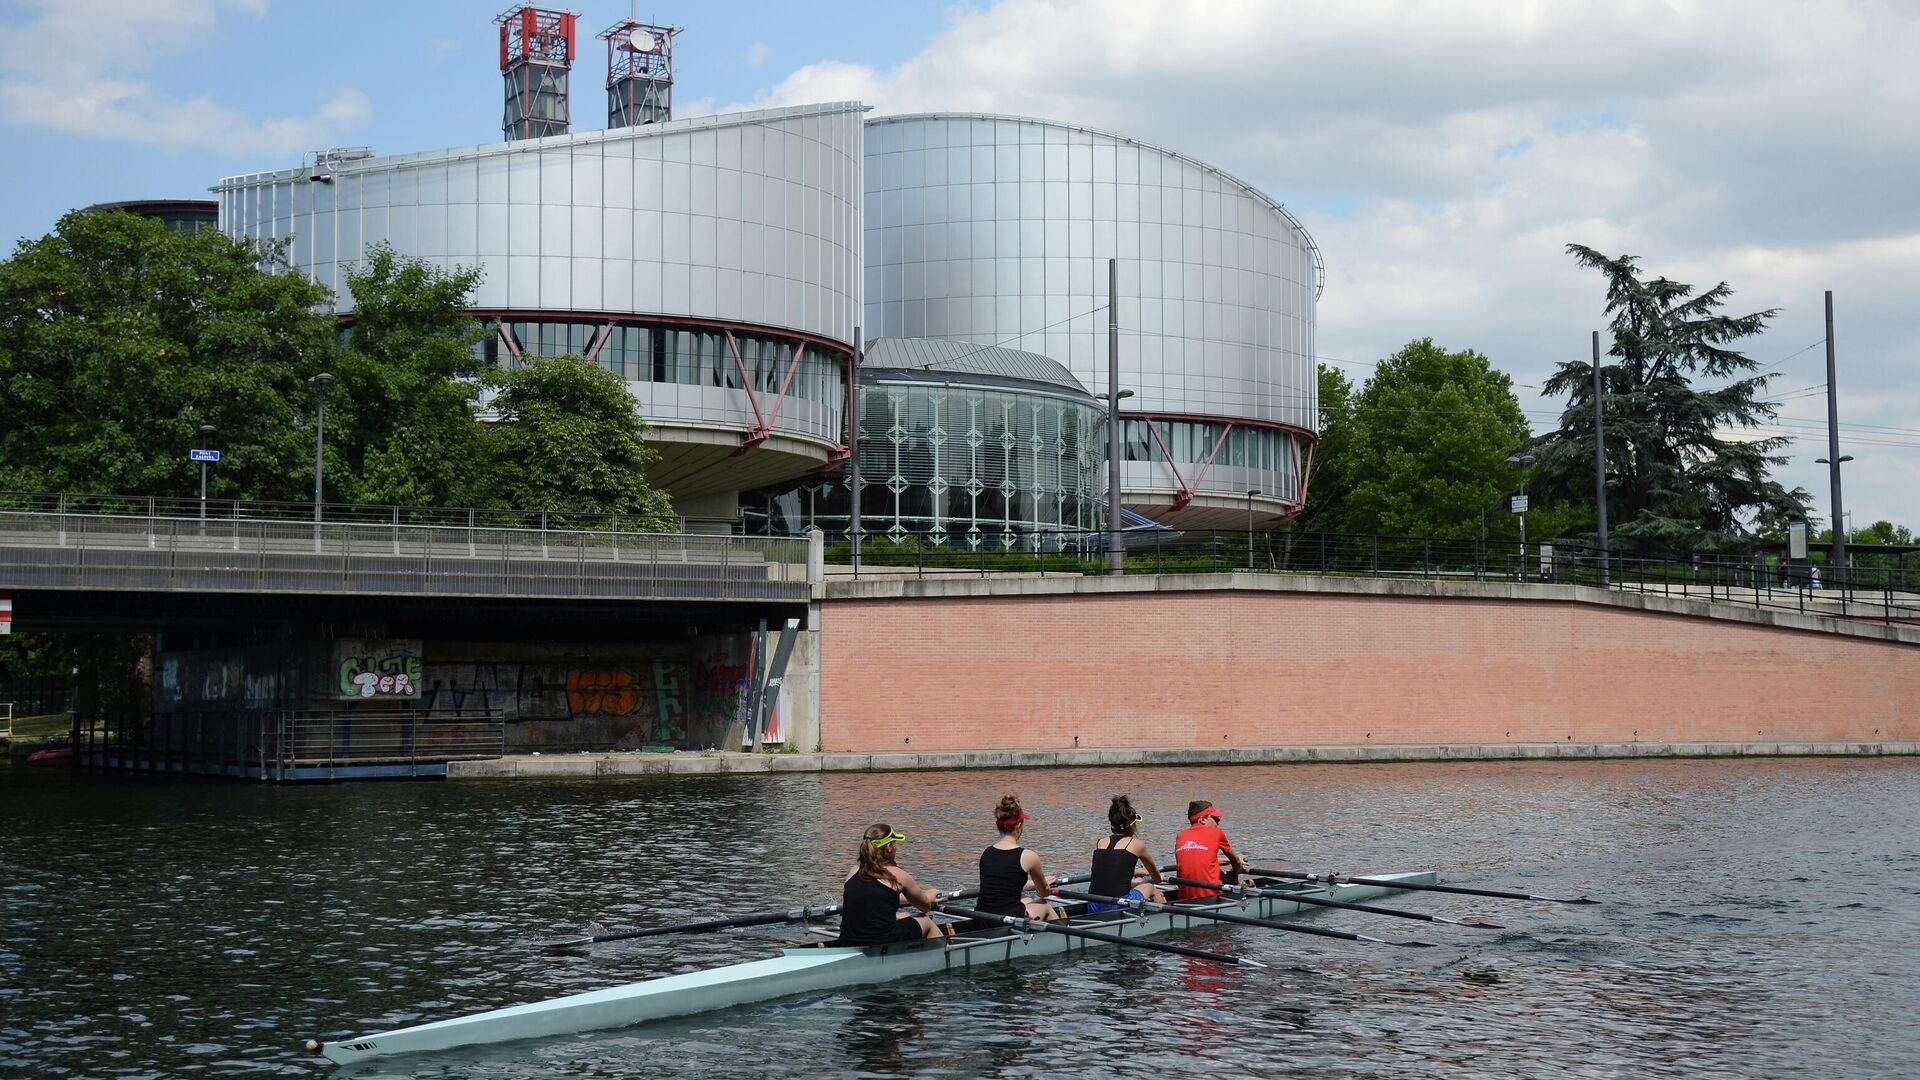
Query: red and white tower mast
[
  {"x": 536, "y": 58},
  {"x": 639, "y": 73}
]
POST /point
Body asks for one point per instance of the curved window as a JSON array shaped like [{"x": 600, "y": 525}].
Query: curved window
[
  {"x": 1237, "y": 451},
  {"x": 642, "y": 353}
]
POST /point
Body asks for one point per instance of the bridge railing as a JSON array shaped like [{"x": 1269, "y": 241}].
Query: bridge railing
[
  {"x": 41, "y": 549},
  {"x": 1888, "y": 594},
  {"x": 299, "y": 745},
  {"x": 151, "y": 506}
]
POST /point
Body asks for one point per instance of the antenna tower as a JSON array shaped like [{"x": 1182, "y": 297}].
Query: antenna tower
[
  {"x": 639, "y": 73},
  {"x": 536, "y": 56}
]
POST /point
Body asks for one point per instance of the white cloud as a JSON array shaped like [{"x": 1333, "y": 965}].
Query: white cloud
[
  {"x": 75, "y": 67},
  {"x": 757, "y": 54},
  {"x": 1444, "y": 154}
]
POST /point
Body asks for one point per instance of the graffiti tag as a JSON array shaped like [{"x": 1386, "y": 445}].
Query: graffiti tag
[
  {"x": 602, "y": 691},
  {"x": 387, "y": 676}
]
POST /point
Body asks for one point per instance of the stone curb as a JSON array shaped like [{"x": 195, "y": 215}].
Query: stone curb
[{"x": 590, "y": 766}]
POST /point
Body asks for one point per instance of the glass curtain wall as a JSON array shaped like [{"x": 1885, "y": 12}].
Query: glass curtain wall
[{"x": 961, "y": 465}]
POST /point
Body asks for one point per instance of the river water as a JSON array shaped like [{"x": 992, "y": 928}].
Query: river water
[{"x": 1762, "y": 919}]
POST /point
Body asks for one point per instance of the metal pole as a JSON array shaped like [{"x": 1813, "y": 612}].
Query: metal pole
[
  {"x": 320, "y": 383},
  {"x": 1839, "y": 555},
  {"x": 1250, "y": 496},
  {"x": 853, "y": 451},
  {"x": 1599, "y": 457},
  {"x": 1116, "y": 557}
]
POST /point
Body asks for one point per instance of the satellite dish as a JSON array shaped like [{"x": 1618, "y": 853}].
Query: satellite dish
[{"x": 641, "y": 41}]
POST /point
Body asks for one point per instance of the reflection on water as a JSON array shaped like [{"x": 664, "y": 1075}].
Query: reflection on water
[{"x": 1761, "y": 917}]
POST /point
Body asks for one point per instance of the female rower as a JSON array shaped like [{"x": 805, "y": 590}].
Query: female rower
[
  {"x": 875, "y": 892},
  {"x": 1006, "y": 868},
  {"x": 1122, "y": 866}
]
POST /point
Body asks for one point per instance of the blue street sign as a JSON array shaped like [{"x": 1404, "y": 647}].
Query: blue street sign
[{"x": 203, "y": 455}]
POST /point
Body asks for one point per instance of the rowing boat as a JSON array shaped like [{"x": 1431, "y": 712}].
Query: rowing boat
[{"x": 814, "y": 968}]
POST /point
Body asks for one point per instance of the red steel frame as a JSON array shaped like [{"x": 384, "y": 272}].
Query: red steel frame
[
  {"x": 1186, "y": 490},
  {"x": 625, "y": 64},
  {"x": 529, "y": 36}
]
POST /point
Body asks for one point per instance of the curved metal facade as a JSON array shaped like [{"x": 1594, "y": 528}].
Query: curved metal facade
[
  {"x": 997, "y": 230},
  {"x": 691, "y": 245}
]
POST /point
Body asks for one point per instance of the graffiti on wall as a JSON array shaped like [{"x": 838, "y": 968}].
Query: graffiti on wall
[
  {"x": 602, "y": 692},
  {"x": 376, "y": 668},
  {"x": 670, "y": 706}
]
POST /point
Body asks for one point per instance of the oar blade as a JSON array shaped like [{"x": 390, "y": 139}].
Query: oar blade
[{"x": 578, "y": 942}]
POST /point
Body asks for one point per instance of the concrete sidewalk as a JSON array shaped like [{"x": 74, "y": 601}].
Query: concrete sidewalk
[{"x": 585, "y": 766}]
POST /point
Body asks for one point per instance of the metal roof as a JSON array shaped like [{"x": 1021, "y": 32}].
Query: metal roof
[{"x": 939, "y": 356}]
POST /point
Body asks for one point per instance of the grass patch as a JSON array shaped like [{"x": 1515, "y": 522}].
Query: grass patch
[{"x": 40, "y": 727}]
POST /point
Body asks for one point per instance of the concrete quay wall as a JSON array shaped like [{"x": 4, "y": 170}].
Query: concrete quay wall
[
  {"x": 605, "y": 766},
  {"x": 1262, "y": 665}
]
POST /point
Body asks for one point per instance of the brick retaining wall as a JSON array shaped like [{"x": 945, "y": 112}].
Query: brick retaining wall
[{"x": 986, "y": 666}]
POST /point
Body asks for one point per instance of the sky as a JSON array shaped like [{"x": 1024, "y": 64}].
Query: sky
[{"x": 1442, "y": 154}]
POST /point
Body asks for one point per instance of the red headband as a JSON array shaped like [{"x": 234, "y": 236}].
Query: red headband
[
  {"x": 1211, "y": 811},
  {"x": 1009, "y": 823}
]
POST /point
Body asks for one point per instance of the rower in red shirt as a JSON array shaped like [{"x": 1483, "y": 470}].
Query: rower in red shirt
[{"x": 1198, "y": 848}]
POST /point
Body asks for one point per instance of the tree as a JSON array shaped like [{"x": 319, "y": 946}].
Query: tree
[
  {"x": 400, "y": 423},
  {"x": 1329, "y": 482},
  {"x": 570, "y": 439},
  {"x": 1682, "y": 475},
  {"x": 119, "y": 339},
  {"x": 1429, "y": 436}
]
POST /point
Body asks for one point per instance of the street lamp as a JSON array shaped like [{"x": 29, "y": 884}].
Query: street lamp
[
  {"x": 1116, "y": 551},
  {"x": 206, "y": 433},
  {"x": 1520, "y": 505},
  {"x": 1250, "y": 498},
  {"x": 320, "y": 383},
  {"x": 1837, "y": 557}
]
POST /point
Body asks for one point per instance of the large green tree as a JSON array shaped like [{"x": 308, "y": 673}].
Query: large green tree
[
  {"x": 570, "y": 439},
  {"x": 1329, "y": 481},
  {"x": 120, "y": 338},
  {"x": 1683, "y": 472},
  {"x": 1427, "y": 446},
  {"x": 400, "y": 420}
]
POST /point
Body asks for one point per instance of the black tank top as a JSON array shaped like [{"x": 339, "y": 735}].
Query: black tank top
[
  {"x": 868, "y": 909},
  {"x": 1001, "y": 880},
  {"x": 1112, "y": 868}
]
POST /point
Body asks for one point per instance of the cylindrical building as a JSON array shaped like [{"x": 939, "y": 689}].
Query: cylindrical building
[
  {"x": 997, "y": 230},
  {"x": 713, "y": 262}
]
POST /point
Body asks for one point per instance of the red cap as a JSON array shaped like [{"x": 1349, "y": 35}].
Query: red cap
[
  {"x": 1211, "y": 811},
  {"x": 1011, "y": 822}
]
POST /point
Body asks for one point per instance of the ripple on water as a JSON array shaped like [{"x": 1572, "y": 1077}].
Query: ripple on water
[{"x": 1751, "y": 925}]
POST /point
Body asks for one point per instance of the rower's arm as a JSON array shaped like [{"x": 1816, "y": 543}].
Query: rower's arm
[
  {"x": 1040, "y": 887},
  {"x": 1233, "y": 858},
  {"x": 1146, "y": 860},
  {"x": 912, "y": 892}
]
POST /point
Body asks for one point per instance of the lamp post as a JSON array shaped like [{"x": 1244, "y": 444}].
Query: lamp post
[
  {"x": 206, "y": 431},
  {"x": 320, "y": 383},
  {"x": 1837, "y": 558},
  {"x": 1520, "y": 506},
  {"x": 1116, "y": 556},
  {"x": 1250, "y": 498}
]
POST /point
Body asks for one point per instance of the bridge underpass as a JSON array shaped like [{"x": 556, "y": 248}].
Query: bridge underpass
[{"x": 288, "y": 649}]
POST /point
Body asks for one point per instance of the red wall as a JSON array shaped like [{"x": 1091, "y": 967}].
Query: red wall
[{"x": 1219, "y": 668}]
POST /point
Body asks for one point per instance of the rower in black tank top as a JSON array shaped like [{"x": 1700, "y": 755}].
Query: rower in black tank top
[
  {"x": 1113, "y": 868},
  {"x": 870, "y": 914},
  {"x": 1001, "y": 881}
]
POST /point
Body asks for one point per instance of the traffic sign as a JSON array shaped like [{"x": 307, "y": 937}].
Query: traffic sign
[
  {"x": 203, "y": 455},
  {"x": 6, "y": 613},
  {"x": 1519, "y": 504}
]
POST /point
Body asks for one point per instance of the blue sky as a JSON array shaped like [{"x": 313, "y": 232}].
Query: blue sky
[{"x": 1443, "y": 155}]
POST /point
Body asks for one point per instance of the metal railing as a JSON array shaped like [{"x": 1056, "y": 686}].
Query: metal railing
[
  {"x": 41, "y": 549},
  {"x": 151, "y": 506},
  {"x": 1888, "y": 594},
  {"x": 6, "y": 719},
  {"x": 299, "y": 745}
]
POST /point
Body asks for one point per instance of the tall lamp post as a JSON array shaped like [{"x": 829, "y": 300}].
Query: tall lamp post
[
  {"x": 1250, "y": 497},
  {"x": 1116, "y": 556},
  {"x": 206, "y": 433},
  {"x": 320, "y": 383},
  {"x": 1520, "y": 506},
  {"x": 1837, "y": 558}
]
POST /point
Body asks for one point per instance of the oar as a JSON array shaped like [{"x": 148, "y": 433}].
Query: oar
[
  {"x": 1244, "y": 920},
  {"x": 705, "y": 926},
  {"x": 1393, "y": 883},
  {"x": 765, "y": 918},
  {"x": 1041, "y": 925},
  {"x": 1315, "y": 901}
]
